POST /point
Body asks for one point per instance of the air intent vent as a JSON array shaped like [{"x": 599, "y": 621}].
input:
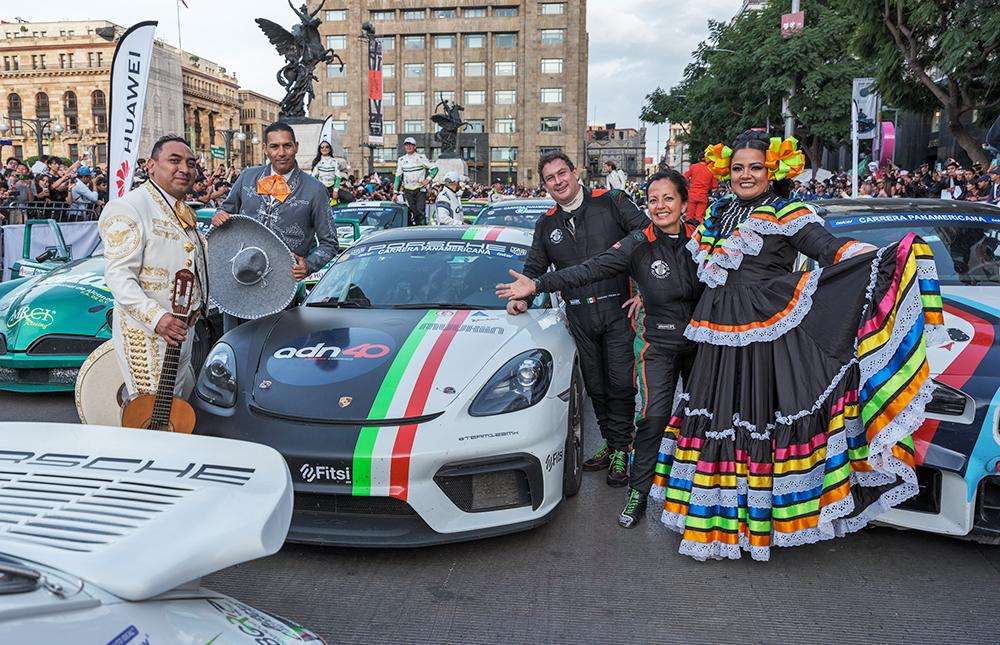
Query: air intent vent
[
  {"x": 950, "y": 404},
  {"x": 77, "y": 513},
  {"x": 62, "y": 345}
]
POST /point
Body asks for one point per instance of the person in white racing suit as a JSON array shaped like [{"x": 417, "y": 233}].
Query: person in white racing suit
[
  {"x": 448, "y": 207},
  {"x": 414, "y": 172},
  {"x": 615, "y": 177}
]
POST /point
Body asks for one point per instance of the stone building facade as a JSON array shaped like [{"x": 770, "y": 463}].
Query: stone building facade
[
  {"x": 519, "y": 68},
  {"x": 211, "y": 105},
  {"x": 62, "y": 71},
  {"x": 256, "y": 113},
  {"x": 624, "y": 147}
]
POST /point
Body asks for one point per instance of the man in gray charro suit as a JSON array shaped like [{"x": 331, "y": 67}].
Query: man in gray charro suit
[{"x": 290, "y": 202}]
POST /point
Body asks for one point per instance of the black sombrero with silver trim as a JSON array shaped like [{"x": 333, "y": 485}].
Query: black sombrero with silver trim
[{"x": 249, "y": 269}]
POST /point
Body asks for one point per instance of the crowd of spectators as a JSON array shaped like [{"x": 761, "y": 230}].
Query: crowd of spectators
[
  {"x": 971, "y": 184},
  {"x": 53, "y": 186}
]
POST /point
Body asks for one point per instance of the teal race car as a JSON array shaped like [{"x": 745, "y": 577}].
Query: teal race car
[{"x": 55, "y": 311}]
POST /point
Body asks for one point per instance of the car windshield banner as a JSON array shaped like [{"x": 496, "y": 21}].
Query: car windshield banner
[
  {"x": 375, "y": 91},
  {"x": 129, "y": 78}
]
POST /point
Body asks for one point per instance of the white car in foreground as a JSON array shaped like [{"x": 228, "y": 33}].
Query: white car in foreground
[{"x": 104, "y": 534}]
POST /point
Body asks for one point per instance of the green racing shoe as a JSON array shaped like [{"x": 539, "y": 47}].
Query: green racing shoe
[
  {"x": 600, "y": 460},
  {"x": 618, "y": 470},
  {"x": 635, "y": 508}
]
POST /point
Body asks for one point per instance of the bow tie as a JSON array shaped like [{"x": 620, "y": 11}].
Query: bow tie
[
  {"x": 274, "y": 186},
  {"x": 185, "y": 214}
]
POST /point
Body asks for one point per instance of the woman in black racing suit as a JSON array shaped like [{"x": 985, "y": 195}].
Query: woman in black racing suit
[{"x": 655, "y": 258}]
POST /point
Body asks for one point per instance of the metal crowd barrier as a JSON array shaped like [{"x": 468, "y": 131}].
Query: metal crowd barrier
[{"x": 18, "y": 213}]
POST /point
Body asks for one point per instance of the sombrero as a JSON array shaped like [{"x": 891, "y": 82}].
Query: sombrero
[
  {"x": 249, "y": 269},
  {"x": 100, "y": 388}
]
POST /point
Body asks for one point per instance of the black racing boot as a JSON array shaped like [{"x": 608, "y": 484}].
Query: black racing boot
[
  {"x": 600, "y": 460},
  {"x": 635, "y": 508},
  {"x": 618, "y": 469}
]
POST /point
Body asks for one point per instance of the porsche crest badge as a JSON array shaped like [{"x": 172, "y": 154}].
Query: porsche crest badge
[{"x": 345, "y": 401}]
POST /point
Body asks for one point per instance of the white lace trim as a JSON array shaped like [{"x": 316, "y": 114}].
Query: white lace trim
[
  {"x": 855, "y": 249},
  {"x": 754, "y": 432},
  {"x": 790, "y": 419},
  {"x": 761, "y": 334},
  {"x": 927, "y": 270},
  {"x": 698, "y": 412},
  {"x": 745, "y": 239},
  {"x": 728, "y": 433}
]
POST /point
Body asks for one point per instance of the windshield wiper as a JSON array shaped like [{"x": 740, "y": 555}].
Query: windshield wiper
[
  {"x": 437, "y": 305},
  {"x": 341, "y": 304}
]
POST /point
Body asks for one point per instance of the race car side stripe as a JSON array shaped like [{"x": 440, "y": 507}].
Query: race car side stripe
[
  {"x": 470, "y": 233},
  {"x": 493, "y": 234},
  {"x": 400, "y": 475},
  {"x": 369, "y": 434}
]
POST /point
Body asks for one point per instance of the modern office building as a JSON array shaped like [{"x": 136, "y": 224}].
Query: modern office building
[{"x": 518, "y": 67}]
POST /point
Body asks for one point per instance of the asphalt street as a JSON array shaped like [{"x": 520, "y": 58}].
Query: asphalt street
[{"x": 582, "y": 579}]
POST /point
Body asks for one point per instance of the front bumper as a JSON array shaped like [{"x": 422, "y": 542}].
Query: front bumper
[
  {"x": 945, "y": 506},
  {"x": 519, "y": 485},
  {"x": 22, "y": 373}
]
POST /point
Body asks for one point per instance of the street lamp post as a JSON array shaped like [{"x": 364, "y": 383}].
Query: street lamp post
[
  {"x": 3, "y": 134},
  {"x": 38, "y": 127},
  {"x": 228, "y": 134}
]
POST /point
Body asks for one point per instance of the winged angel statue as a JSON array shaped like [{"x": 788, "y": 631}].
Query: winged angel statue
[{"x": 303, "y": 50}]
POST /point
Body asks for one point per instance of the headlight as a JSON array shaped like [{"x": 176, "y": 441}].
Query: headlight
[
  {"x": 519, "y": 384},
  {"x": 217, "y": 382}
]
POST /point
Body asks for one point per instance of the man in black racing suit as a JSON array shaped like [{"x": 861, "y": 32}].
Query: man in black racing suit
[
  {"x": 667, "y": 278},
  {"x": 580, "y": 226}
]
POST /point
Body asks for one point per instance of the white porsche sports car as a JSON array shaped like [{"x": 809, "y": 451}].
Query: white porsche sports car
[
  {"x": 410, "y": 407},
  {"x": 105, "y": 532}
]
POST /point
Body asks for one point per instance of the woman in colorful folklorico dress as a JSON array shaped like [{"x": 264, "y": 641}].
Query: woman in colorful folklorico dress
[{"x": 807, "y": 385}]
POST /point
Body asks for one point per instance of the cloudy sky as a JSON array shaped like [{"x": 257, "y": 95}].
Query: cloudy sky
[{"x": 635, "y": 45}]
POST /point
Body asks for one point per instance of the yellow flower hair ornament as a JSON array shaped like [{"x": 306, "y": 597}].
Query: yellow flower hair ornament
[
  {"x": 783, "y": 159},
  {"x": 718, "y": 158}
]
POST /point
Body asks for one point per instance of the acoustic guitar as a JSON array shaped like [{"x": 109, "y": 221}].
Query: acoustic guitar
[{"x": 162, "y": 410}]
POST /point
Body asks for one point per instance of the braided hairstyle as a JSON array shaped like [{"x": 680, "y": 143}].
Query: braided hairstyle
[{"x": 757, "y": 140}]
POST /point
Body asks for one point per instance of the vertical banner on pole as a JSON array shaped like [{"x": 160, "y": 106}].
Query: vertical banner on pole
[
  {"x": 326, "y": 133},
  {"x": 129, "y": 78},
  {"x": 854, "y": 150},
  {"x": 866, "y": 98},
  {"x": 375, "y": 132},
  {"x": 887, "y": 151}
]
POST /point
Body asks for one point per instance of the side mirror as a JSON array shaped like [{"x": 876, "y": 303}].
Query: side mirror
[{"x": 46, "y": 255}]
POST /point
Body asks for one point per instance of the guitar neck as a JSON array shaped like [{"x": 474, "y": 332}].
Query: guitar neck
[{"x": 163, "y": 399}]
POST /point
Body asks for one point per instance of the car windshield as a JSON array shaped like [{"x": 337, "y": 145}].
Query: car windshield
[
  {"x": 966, "y": 247},
  {"x": 443, "y": 273},
  {"x": 520, "y": 216},
  {"x": 376, "y": 216}
]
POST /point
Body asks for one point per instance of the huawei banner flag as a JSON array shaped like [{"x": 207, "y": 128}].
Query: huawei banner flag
[{"x": 129, "y": 78}]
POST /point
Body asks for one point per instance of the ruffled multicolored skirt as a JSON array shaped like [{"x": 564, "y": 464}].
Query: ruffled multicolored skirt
[{"x": 796, "y": 425}]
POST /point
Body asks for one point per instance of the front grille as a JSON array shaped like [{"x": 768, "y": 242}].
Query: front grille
[
  {"x": 63, "y": 345},
  {"x": 492, "y": 484},
  {"x": 351, "y": 505},
  {"x": 988, "y": 504},
  {"x": 39, "y": 376},
  {"x": 928, "y": 499}
]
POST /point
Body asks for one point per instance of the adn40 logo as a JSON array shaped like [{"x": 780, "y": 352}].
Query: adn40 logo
[{"x": 321, "y": 351}]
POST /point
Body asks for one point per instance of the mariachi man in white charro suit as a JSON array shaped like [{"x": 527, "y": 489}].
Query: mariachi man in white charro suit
[{"x": 149, "y": 235}]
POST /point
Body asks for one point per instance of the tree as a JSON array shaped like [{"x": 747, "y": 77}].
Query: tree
[
  {"x": 937, "y": 55},
  {"x": 743, "y": 69}
]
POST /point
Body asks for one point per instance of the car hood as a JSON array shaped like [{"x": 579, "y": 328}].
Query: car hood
[
  {"x": 971, "y": 315},
  {"x": 350, "y": 365},
  {"x": 71, "y": 300}
]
